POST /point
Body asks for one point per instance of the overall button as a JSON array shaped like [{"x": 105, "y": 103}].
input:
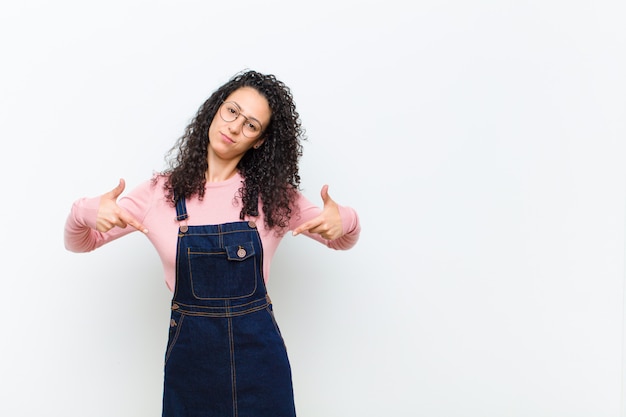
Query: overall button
[
  {"x": 252, "y": 224},
  {"x": 241, "y": 252}
]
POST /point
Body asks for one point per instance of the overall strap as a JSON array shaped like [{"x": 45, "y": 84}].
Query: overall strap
[{"x": 181, "y": 209}]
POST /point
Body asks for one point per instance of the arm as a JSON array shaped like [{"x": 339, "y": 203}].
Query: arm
[
  {"x": 336, "y": 226},
  {"x": 92, "y": 222}
]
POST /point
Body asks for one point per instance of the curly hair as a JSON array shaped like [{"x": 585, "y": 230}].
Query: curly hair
[{"x": 270, "y": 173}]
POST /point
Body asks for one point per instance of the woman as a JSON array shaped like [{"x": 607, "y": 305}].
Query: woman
[{"x": 216, "y": 217}]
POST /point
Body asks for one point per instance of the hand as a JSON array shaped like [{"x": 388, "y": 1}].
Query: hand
[
  {"x": 328, "y": 223},
  {"x": 111, "y": 215}
]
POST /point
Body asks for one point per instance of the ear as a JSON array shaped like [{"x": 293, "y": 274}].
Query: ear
[{"x": 258, "y": 143}]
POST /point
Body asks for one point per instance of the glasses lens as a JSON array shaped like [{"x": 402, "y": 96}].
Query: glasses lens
[
  {"x": 229, "y": 112},
  {"x": 251, "y": 128}
]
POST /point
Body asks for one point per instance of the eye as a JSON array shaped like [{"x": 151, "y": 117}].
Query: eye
[
  {"x": 253, "y": 127},
  {"x": 231, "y": 109}
]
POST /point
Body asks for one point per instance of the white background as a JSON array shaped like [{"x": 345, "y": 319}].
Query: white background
[{"x": 482, "y": 143}]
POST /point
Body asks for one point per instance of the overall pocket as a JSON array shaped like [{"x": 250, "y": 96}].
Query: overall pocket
[
  {"x": 223, "y": 273},
  {"x": 176, "y": 324}
]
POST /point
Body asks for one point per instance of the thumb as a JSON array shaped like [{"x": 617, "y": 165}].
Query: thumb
[
  {"x": 324, "y": 193},
  {"x": 118, "y": 190}
]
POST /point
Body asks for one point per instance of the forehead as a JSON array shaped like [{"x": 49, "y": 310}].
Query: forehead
[{"x": 252, "y": 103}]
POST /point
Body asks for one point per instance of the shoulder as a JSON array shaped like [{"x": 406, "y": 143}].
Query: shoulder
[
  {"x": 145, "y": 195},
  {"x": 154, "y": 186}
]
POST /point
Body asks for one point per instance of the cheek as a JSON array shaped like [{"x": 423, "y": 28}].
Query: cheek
[{"x": 213, "y": 128}]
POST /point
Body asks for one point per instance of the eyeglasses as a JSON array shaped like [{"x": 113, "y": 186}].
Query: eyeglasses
[{"x": 230, "y": 111}]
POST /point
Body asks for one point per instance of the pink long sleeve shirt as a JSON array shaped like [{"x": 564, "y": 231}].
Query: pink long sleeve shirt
[{"x": 220, "y": 204}]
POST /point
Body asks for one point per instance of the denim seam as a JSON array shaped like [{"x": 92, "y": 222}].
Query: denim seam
[
  {"x": 179, "y": 325},
  {"x": 228, "y": 314},
  {"x": 233, "y": 370}
]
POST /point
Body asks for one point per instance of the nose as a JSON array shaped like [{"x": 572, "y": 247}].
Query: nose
[{"x": 236, "y": 125}]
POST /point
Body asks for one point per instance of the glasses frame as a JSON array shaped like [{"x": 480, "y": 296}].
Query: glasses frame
[{"x": 246, "y": 119}]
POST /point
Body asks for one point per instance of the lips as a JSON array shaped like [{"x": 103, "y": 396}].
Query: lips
[{"x": 226, "y": 138}]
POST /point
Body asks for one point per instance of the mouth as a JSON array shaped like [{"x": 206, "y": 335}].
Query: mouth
[{"x": 226, "y": 138}]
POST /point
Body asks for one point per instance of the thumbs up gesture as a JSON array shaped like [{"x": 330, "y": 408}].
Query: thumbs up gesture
[
  {"x": 111, "y": 215},
  {"x": 328, "y": 223}
]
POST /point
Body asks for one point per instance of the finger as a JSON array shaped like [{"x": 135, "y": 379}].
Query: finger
[
  {"x": 323, "y": 231},
  {"x": 118, "y": 190},
  {"x": 130, "y": 220},
  {"x": 306, "y": 226},
  {"x": 324, "y": 194},
  {"x": 104, "y": 224},
  {"x": 298, "y": 230},
  {"x": 326, "y": 198}
]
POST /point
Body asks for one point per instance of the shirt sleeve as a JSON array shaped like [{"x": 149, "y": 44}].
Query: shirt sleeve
[
  {"x": 80, "y": 234},
  {"x": 349, "y": 221}
]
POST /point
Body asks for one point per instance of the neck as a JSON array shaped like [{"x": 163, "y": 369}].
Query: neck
[
  {"x": 210, "y": 178},
  {"x": 220, "y": 170},
  {"x": 213, "y": 175}
]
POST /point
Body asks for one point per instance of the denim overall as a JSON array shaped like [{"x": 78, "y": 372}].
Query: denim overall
[{"x": 225, "y": 356}]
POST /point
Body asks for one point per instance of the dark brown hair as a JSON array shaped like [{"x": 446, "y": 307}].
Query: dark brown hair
[{"x": 270, "y": 173}]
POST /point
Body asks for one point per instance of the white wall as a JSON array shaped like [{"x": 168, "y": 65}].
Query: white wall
[{"x": 482, "y": 143}]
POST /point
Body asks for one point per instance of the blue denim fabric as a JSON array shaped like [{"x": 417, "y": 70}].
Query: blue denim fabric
[{"x": 225, "y": 355}]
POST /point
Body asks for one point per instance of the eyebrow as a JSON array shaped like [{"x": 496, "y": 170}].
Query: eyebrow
[{"x": 247, "y": 117}]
